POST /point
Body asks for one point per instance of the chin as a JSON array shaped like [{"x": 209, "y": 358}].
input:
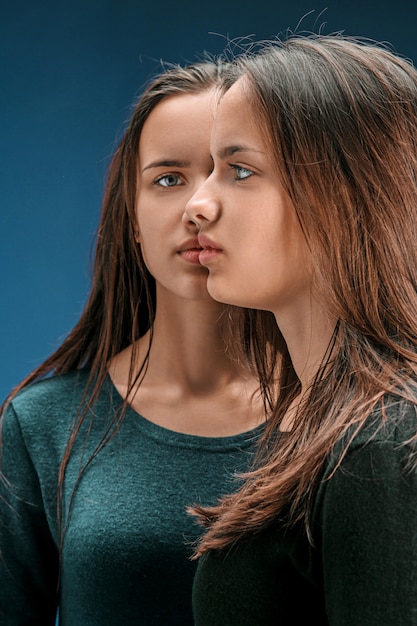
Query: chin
[{"x": 224, "y": 296}]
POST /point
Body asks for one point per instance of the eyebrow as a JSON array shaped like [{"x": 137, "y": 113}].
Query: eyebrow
[
  {"x": 231, "y": 150},
  {"x": 167, "y": 163}
]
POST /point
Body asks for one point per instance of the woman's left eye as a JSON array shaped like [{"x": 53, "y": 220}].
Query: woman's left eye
[
  {"x": 241, "y": 172},
  {"x": 168, "y": 180}
]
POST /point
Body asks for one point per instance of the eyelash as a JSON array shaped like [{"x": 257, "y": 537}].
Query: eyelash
[
  {"x": 236, "y": 169},
  {"x": 158, "y": 180}
]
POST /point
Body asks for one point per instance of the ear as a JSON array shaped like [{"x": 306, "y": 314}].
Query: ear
[{"x": 137, "y": 236}]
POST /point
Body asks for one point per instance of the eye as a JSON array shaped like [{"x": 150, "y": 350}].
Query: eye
[
  {"x": 168, "y": 180},
  {"x": 241, "y": 173}
]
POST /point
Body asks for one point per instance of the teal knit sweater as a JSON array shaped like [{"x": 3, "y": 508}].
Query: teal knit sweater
[
  {"x": 362, "y": 570},
  {"x": 126, "y": 551}
]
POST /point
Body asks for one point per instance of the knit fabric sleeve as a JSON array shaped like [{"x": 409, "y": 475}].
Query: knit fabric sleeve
[
  {"x": 28, "y": 553},
  {"x": 369, "y": 537}
]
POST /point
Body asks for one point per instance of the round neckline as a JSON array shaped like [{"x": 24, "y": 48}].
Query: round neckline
[{"x": 167, "y": 435}]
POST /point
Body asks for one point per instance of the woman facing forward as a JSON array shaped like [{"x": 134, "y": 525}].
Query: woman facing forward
[
  {"x": 145, "y": 411},
  {"x": 311, "y": 213}
]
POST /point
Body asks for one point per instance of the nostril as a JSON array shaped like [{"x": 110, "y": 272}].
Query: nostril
[{"x": 195, "y": 219}]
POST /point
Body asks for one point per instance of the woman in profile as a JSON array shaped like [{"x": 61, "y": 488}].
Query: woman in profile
[{"x": 311, "y": 214}]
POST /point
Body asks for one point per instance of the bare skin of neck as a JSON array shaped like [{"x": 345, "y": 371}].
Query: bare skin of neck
[
  {"x": 190, "y": 385},
  {"x": 308, "y": 333}
]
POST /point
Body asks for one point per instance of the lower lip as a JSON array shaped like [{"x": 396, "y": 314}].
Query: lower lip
[
  {"x": 209, "y": 254},
  {"x": 191, "y": 256}
]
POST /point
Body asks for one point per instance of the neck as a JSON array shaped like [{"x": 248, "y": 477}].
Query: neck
[
  {"x": 189, "y": 384},
  {"x": 187, "y": 347},
  {"x": 308, "y": 332}
]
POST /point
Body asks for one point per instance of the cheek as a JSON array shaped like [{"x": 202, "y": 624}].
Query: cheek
[
  {"x": 144, "y": 255},
  {"x": 145, "y": 227},
  {"x": 144, "y": 240},
  {"x": 150, "y": 244}
]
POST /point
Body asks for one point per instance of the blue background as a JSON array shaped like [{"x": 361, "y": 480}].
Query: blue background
[{"x": 69, "y": 73}]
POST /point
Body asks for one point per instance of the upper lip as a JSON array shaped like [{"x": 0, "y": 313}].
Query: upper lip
[
  {"x": 206, "y": 242},
  {"x": 190, "y": 244}
]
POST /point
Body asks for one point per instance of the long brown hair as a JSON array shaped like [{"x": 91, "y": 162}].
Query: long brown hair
[
  {"x": 341, "y": 118},
  {"x": 121, "y": 304}
]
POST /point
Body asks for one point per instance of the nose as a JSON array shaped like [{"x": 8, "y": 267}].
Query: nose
[{"x": 202, "y": 208}]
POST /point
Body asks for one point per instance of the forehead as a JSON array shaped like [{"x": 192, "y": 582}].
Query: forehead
[
  {"x": 176, "y": 117},
  {"x": 236, "y": 97},
  {"x": 236, "y": 118},
  {"x": 173, "y": 106}
]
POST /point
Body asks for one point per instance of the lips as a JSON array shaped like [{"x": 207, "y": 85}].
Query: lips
[
  {"x": 211, "y": 250},
  {"x": 190, "y": 251},
  {"x": 206, "y": 242}
]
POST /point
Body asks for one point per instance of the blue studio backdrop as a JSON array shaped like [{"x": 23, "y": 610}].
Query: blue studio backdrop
[{"x": 70, "y": 70}]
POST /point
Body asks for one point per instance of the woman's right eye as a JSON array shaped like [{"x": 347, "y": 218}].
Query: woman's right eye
[
  {"x": 241, "y": 173},
  {"x": 168, "y": 180}
]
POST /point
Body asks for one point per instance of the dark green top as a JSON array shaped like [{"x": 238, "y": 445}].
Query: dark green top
[
  {"x": 362, "y": 570},
  {"x": 125, "y": 555}
]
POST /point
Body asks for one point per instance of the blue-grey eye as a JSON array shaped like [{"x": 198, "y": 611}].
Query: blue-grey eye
[
  {"x": 169, "y": 180},
  {"x": 242, "y": 172}
]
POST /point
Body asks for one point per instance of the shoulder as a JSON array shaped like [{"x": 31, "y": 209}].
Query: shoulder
[
  {"x": 370, "y": 476},
  {"x": 48, "y": 405},
  {"x": 51, "y": 393},
  {"x": 384, "y": 447},
  {"x": 392, "y": 422},
  {"x": 363, "y": 519}
]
